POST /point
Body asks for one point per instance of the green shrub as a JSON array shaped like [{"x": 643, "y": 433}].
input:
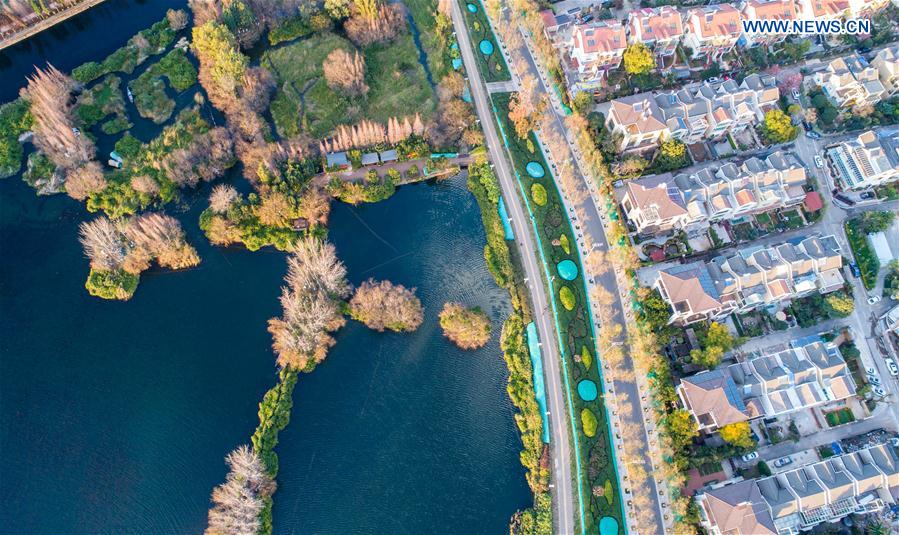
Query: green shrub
[
  {"x": 118, "y": 284},
  {"x": 588, "y": 419},
  {"x": 289, "y": 30},
  {"x": 565, "y": 244},
  {"x": 566, "y": 296},
  {"x": 15, "y": 119},
  {"x": 608, "y": 492},
  {"x": 128, "y": 146},
  {"x": 538, "y": 193}
]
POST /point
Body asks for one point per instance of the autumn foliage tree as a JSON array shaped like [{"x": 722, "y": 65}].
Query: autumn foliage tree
[
  {"x": 238, "y": 502},
  {"x": 345, "y": 72},
  {"x": 373, "y": 21},
  {"x": 638, "y": 59},
  {"x": 738, "y": 434},
  {"x": 468, "y": 328},
  {"x": 384, "y": 305},
  {"x": 316, "y": 283},
  {"x": 85, "y": 180},
  {"x": 522, "y": 116},
  {"x": 49, "y": 93}
]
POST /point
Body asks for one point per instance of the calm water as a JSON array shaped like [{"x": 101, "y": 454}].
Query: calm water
[{"x": 115, "y": 417}]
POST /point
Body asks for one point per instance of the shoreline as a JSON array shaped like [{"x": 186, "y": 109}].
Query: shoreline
[{"x": 48, "y": 23}]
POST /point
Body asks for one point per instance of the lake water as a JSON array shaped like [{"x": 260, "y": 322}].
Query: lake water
[{"x": 115, "y": 417}]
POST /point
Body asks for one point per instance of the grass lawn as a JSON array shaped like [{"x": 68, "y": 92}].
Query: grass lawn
[
  {"x": 397, "y": 85},
  {"x": 744, "y": 231},
  {"x": 839, "y": 417},
  {"x": 791, "y": 219},
  {"x": 764, "y": 220},
  {"x": 493, "y": 66},
  {"x": 422, "y": 12}
]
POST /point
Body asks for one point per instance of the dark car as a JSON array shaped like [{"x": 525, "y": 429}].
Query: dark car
[
  {"x": 867, "y": 195},
  {"x": 846, "y": 200},
  {"x": 863, "y": 49},
  {"x": 854, "y": 268}
]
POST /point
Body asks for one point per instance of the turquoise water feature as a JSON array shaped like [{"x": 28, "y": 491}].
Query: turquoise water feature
[
  {"x": 535, "y": 170},
  {"x": 472, "y": 8},
  {"x": 586, "y": 389},
  {"x": 504, "y": 216},
  {"x": 486, "y": 47},
  {"x": 567, "y": 270},
  {"x": 539, "y": 386},
  {"x": 608, "y": 526}
]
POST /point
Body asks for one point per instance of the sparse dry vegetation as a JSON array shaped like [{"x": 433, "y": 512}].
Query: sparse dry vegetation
[
  {"x": 238, "y": 502},
  {"x": 468, "y": 328},
  {"x": 384, "y": 305}
]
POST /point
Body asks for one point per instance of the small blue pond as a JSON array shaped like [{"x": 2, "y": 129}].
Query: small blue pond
[
  {"x": 567, "y": 270},
  {"x": 608, "y": 526},
  {"x": 472, "y": 8},
  {"x": 486, "y": 47},
  {"x": 587, "y": 390},
  {"x": 504, "y": 216},
  {"x": 535, "y": 170}
]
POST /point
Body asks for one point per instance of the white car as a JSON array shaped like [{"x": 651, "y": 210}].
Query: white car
[
  {"x": 879, "y": 392},
  {"x": 713, "y": 80},
  {"x": 796, "y": 94},
  {"x": 892, "y": 366},
  {"x": 783, "y": 461},
  {"x": 874, "y": 380},
  {"x": 873, "y": 299},
  {"x": 819, "y": 162},
  {"x": 749, "y": 457}
]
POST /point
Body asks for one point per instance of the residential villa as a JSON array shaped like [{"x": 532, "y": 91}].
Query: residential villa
[
  {"x": 768, "y": 10},
  {"x": 837, "y": 9},
  {"x": 692, "y": 114},
  {"x": 887, "y": 64},
  {"x": 595, "y": 48},
  {"x": 796, "y": 500},
  {"x": 691, "y": 201},
  {"x": 751, "y": 278},
  {"x": 870, "y": 160},
  {"x": 712, "y": 31},
  {"x": 850, "y": 81},
  {"x": 660, "y": 29},
  {"x": 636, "y": 120}
]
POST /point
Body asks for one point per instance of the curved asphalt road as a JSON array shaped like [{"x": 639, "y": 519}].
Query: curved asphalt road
[{"x": 555, "y": 402}]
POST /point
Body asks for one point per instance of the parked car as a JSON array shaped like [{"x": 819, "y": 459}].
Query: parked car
[
  {"x": 853, "y": 267},
  {"x": 844, "y": 199},
  {"x": 892, "y": 366},
  {"x": 783, "y": 461},
  {"x": 895, "y": 442},
  {"x": 873, "y": 299},
  {"x": 867, "y": 195},
  {"x": 807, "y": 126},
  {"x": 881, "y": 393},
  {"x": 819, "y": 162},
  {"x": 749, "y": 457},
  {"x": 796, "y": 94},
  {"x": 713, "y": 80},
  {"x": 813, "y": 135},
  {"x": 870, "y": 370},
  {"x": 873, "y": 379}
]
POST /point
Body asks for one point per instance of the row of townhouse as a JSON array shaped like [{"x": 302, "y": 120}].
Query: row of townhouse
[
  {"x": 690, "y": 201},
  {"x": 809, "y": 374},
  {"x": 711, "y": 31},
  {"x": 696, "y": 112},
  {"x": 750, "y": 278},
  {"x": 869, "y": 160},
  {"x": 796, "y": 500}
]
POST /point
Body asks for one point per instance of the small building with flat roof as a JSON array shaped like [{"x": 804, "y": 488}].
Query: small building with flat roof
[
  {"x": 389, "y": 156},
  {"x": 370, "y": 158},
  {"x": 337, "y": 160}
]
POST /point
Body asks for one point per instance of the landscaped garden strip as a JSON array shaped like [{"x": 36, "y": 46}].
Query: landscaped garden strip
[
  {"x": 865, "y": 258},
  {"x": 486, "y": 50},
  {"x": 595, "y": 464}
]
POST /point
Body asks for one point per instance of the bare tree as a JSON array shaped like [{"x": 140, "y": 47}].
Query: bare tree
[
  {"x": 177, "y": 19},
  {"x": 49, "y": 92},
  {"x": 222, "y": 197},
  {"x": 85, "y": 180},
  {"x": 383, "y": 305},
  {"x": 374, "y": 22},
  {"x": 238, "y": 501},
  {"x": 345, "y": 72},
  {"x": 161, "y": 237},
  {"x": 103, "y": 244}
]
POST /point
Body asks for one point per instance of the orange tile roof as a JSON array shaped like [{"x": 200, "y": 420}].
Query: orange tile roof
[
  {"x": 658, "y": 24},
  {"x": 773, "y": 9},
  {"x": 722, "y": 20},
  {"x": 603, "y": 36}
]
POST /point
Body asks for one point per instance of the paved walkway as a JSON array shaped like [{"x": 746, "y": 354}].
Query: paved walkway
[
  {"x": 358, "y": 175},
  {"x": 11, "y": 38}
]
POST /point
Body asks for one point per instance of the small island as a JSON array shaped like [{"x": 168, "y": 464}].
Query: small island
[
  {"x": 468, "y": 328},
  {"x": 384, "y": 305}
]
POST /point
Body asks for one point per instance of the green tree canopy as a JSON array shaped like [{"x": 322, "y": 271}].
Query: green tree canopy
[
  {"x": 682, "y": 428},
  {"x": 638, "y": 59},
  {"x": 876, "y": 221}
]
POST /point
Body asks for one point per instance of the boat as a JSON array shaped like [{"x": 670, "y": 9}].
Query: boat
[
  {"x": 114, "y": 163},
  {"x": 130, "y": 95}
]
